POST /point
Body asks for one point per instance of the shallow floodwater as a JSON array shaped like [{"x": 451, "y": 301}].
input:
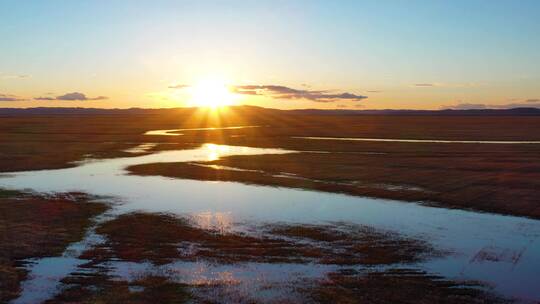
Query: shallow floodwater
[
  {"x": 175, "y": 132},
  {"x": 500, "y": 250}
]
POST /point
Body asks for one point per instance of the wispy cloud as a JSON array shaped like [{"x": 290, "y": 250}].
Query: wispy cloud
[
  {"x": 2, "y": 76},
  {"x": 447, "y": 85},
  {"x": 9, "y": 97},
  {"x": 179, "y": 86},
  {"x": 75, "y": 96},
  {"x": 283, "y": 92}
]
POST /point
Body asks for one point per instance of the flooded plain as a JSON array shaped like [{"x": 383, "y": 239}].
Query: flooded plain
[{"x": 501, "y": 251}]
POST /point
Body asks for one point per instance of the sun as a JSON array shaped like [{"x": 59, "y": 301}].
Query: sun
[{"x": 211, "y": 93}]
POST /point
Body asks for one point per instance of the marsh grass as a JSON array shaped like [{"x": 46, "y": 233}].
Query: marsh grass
[
  {"x": 158, "y": 238},
  {"x": 406, "y": 286},
  {"x": 101, "y": 288}
]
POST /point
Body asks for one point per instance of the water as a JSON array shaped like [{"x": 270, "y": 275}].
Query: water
[
  {"x": 174, "y": 132},
  {"x": 500, "y": 250}
]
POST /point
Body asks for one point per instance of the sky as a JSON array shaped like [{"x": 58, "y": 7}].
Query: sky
[{"x": 280, "y": 54}]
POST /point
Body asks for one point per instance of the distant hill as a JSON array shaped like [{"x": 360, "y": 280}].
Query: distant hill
[
  {"x": 260, "y": 110},
  {"x": 479, "y": 112},
  {"x": 85, "y": 111}
]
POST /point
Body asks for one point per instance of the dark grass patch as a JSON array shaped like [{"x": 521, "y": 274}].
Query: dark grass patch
[
  {"x": 398, "y": 286},
  {"x": 5, "y": 193},
  {"x": 159, "y": 238},
  {"x": 101, "y": 288},
  {"x": 10, "y": 280},
  {"x": 355, "y": 244}
]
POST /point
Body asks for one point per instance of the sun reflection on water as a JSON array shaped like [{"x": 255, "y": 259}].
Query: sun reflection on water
[
  {"x": 217, "y": 221},
  {"x": 215, "y": 151}
]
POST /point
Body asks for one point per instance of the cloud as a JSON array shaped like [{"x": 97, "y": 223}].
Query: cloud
[
  {"x": 72, "y": 97},
  {"x": 179, "y": 86},
  {"x": 448, "y": 85},
  {"x": 14, "y": 76},
  {"x": 8, "y": 97},
  {"x": 536, "y": 100},
  {"x": 283, "y": 92},
  {"x": 374, "y": 91}
]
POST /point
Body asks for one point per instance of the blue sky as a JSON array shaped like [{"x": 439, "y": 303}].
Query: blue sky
[{"x": 399, "y": 54}]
